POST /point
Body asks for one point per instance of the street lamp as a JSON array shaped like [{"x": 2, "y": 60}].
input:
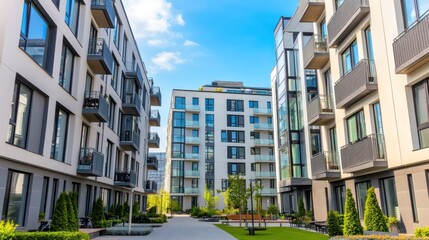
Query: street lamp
[{"x": 252, "y": 229}]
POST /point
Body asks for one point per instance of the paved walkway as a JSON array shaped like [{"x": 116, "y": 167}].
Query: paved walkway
[{"x": 180, "y": 227}]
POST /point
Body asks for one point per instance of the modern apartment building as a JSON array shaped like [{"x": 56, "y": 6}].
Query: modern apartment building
[
  {"x": 75, "y": 102},
  {"x": 369, "y": 61},
  {"x": 156, "y": 175},
  {"x": 221, "y": 129}
]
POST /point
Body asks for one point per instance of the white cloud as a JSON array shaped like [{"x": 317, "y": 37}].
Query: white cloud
[
  {"x": 190, "y": 43},
  {"x": 156, "y": 42},
  {"x": 179, "y": 20},
  {"x": 167, "y": 60}
]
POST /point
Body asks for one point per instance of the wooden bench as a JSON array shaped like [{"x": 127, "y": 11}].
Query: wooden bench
[
  {"x": 236, "y": 218},
  {"x": 279, "y": 221}
]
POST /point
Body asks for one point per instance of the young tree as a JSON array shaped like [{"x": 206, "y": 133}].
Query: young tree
[
  {"x": 73, "y": 197},
  {"x": 98, "y": 214},
  {"x": 60, "y": 217},
  {"x": 373, "y": 217},
  {"x": 334, "y": 226},
  {"x": 71, "y": 218},
  {"x": 301, "y": 209},
  {"x": 238, "y": 193},
  {"x": 257, "y": 197},
  {"x": 160, "y": 201},
  {"x": 136, "y": 208},
  {"x": 211, "y": 201},
  {"x": 352, "y": 224}
]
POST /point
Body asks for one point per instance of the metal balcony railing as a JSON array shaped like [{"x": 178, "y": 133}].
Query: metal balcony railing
[
  {"x": 100, "y": 58},
  {"x": 95, "y": 107},
  {"x": 90, "y": 163},
  {"x": 316, "y": 53}
]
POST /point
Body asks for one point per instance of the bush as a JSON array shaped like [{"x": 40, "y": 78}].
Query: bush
[
  {"x": 352, "y": 224},
  {"x": 60, "y": 220},
  {"x": 373, "y": 216},
  {"x": 375, "y": 237},
  {"x": 111, "y": 222},
  {"x": 51, "y": 236},
  {"x": 111, "y": 213},
  {"x": 71, "y": 213},
  {"x": 140, "y": 218},
  {"x": 119, "y": 211},
  {"x": 97, "y": 216},
  {"x": 301, "y": 209},
  {"x": 7, "y": 230},
  {"x": 74, "y": 200},
  {"x": 272, "y": 209},
  {"x": 195, "y": 211},
  {"x": 157, "y": 220},
  {"x": 421, "y": 232},
  {"x": 123, "y": 231},
  {"x": 136, "y": 208},
  {"x": 334, "y": 225}
]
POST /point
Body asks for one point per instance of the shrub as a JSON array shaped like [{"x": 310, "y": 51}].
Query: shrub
[
  {"x": 136, "y": 208},
  {"x": 41, "y": 216},
  {"x": 51, "y": 236},
  {"x": 373, "y": 216},
  {"x": 111, "y": 213},
  {"x": 272, "y": 209},
  {"x": 140, "y": 218},
  {"x": 119, "y": 211},
  {"x": 123, "y": 231},
  {"x": 301, "y": 209},
  {"x": 157, "y": 220},
  {"x": 334, "y": 225},
  {"x": 195, "y": 211},
  {"x": 352, "y": 224},
  {"x": 97, "y": 216},
  {"x": 421, "y": 232},
  {"x": 71, "y": 212},
  {"x": 7, "y": 230},
  {"x": 60, "y": 220}
]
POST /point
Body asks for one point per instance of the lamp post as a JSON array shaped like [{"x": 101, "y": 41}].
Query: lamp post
[{"x": 252, "y": 229}]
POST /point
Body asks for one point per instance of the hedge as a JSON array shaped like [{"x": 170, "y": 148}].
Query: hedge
[
  {"x": 376, "y": 237},
  {"x": 421, "y": 232},
  {"x": 51, "y": 236}
]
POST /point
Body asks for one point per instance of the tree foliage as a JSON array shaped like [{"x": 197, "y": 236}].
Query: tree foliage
[
  {"x": 352, "y": 224},
  {"x": 238, "y": 194},
  {"x": 97, "y": 216},
  {"x": 335, "y": 224},
  {"x": 301, "y": 209},
  {"x": 160, "y": 202},
  {"x": 211, "y": 201},
  {"x": 373, "y": 217},
  {"x": 60, "y": 217}
]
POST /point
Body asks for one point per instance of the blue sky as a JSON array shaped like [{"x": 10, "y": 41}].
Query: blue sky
[{"x": 186, "y": 44}]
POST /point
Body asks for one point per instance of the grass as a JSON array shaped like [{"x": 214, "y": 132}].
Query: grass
[{"x": 272, "y": 233}]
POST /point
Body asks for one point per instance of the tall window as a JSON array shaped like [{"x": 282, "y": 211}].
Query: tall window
[
  {"x": 369, "y": 48},
  {"x": 15, "y": 198},
  {"x": 236, "y": 168},
  {"x": 34, "y": 37},
  {"x": 356, "y": 127},
  {"x": 234, "y": 105},
  {"x": 209, "y": 104},
  {"x": 179, "y": 103},
  {"x": 412, "y": 198},
  {"x": 117, "y": 31},
  {"x": 350, "y": 57},
  {"x": 323, "y": 30},
  {"x": 329, "y": 91},
  {"x": 20, "y": 115},
  {"x": 316, "y": 145},
  {"x": 59, "y": 137},
  {"x": 254, "y": 119},
  {"x": 236, "y": 152},
  {"x": 361, "y": 192},
  {"x": 66, "y": 68},
  {"x": 195, "y": 101},
  {"x": 44, "y": 196},
  {"x": 209, "y": 152},
  {"x": 209, "y": 170},
  {"x": 421, "y": 106},
  {"x": 414, "y": 10},
  {"x": 111, "y": 113},
  {"x": 253, "y": 104},
  {"x": 209, "y": 120},
  {"x": 72, "y": 14},
  {"x": 378, "y": 128},
  {"x": 124, "y": 52},
  {"x": 114, "y": 77},
  {"x": 389, "y": 202},
  {"x": 235, "y": 120},
  {"x": 209, "y": 136},
  {"x": 108, "y": 163}
]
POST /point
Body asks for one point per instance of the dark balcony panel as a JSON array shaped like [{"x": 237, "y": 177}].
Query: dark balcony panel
[
  {"x": 311, "y": 10},
  {"x": 133, "y": 72},
  {"x": 411, "y": 48},
  {"x": 345, "y": 19},
  {"x": 125, "y": 178},
  {"x": 100, "y": 59},
  {"x": 131, "y": 104},
  {"x": 364, "y": 155},
  {"x": 356, "y": 84},
  {"x": 155, "y": 96},
  {"x": 320, "y": 110},
  {"x": 153, "y": 141},
  {"x": 103, "y": 13},
  {"x": 90, "y": 163},
  {"x": 152, "y": 163},
  {"x": 95, "y": 107},
  {"x": 316, "y": 53},
  {"x": 130, "y": 140},
  {"x": 324, "y": 166},
  {"x": 151, "y": 187},
  {"x": 154, "y": 118}
]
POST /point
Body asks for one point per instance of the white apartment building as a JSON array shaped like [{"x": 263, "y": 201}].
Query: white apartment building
[
  {"x": 221, "y": 129},
  {"x": 369, "y": 60},
  {"x": 75, "y": 102}
]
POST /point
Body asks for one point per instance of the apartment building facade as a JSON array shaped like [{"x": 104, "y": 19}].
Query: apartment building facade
[
  {"x": 157, "y": 175},
  {"x": 75, "y": 103},
  {"x": 370, "y": 104},
  {"x": 221, "y": 129}
]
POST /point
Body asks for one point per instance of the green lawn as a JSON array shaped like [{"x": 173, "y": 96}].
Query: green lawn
[{"x": 273, "y": 233}]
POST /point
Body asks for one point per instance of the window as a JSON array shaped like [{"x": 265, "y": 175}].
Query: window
[
  {"x": 194, "y": 183},
  {"x": 209, "y": 136},
  {"x": 44, "y": 196},
  {"x": 232, "y": 136},
  {"x": 235, "y": 120},
  {"x": 209, "y": 152},
  {"x": 253, "y": 104},
  {"x": 117, "y": 31},
  {"x": 350, "y": 57},
  {"x": 356, "y": 127},
  {"x": 124, "y": 52},
  {"x": 195, "y": 133},
  {"x": 195, "y": 149},
  {"x": 254, "y": 119},
  {"x": 224, "y": 185},
  {"x": 20, "y": 115},
  {"x": 236, "y": 168},
  {"x": 268, "y": 105},
  {"x": 316, "y": 145},
  {"x": 421, "y": 106},
  {"x": 369, "y": 48},
  {"x": 35, "y": 34},
  {"x": 209, "y": 104},
  {"x": 329, "y": 91},
  {"x": 236, "y": 152},
  {"x": 338, "y": 3},
  {"x": 210, "y": 184},
  {"x": 412, "y": 198},
  {"x": 114, "y": 77},
  {"x": 255, "y": 151},
  {"x": 414, "y": 10},
  {"x": 72, "y": 15},
  {"x": 108, "y": 162},
  {"x": 223, "y": 136},
  {"x": 111, "y": 113},
  {"x": 59, "y": 137},
  {"x": 194, "y": 202},
  {"x": 195, "y": 117},
  {"x": 195, "y": 101},
  {"x": 323, "y": 30},
  {"x": 54, "y": 195},
  {"x": 255, "y": 135},
  {"x": 209, "y": 169},
  {"x": 361, "y": 192},
  {"x": 56, "y": 2},
  {"x": 178, "y": 119},
  {"x": 66, "y": 68},
  {"x": 15, "y": 198},
  {"x": 234, "y": 105},
  {"x": 209, "y": 120},
  {"x": 389, "y": 202},
  {"x": 179, "y": 103}
]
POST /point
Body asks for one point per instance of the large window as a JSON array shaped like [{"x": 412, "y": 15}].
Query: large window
[
  {"x": 232, "y": 136},
  {"x": 236, "y": 152},
  {"x": 235, "y": 120},
  {"x": 209, "y": 120},
  {"x": 316, "y": 145},
  {"x": 389, "y": 202},
  {"x": 179, "y": 103},
  {"x": 421, "y": 106},
  {"x": 35, "y": 34},
  {"x": 108, "y": 162},
  {"x": 209, "y": 136},
  {"x": 361, "y": 192},
  {"x": 66, "y": 68},
  {"x": 72, "y": 14},
  {"x": 414, "y": 10},
  {"x": 114, "y": 77},
  {"x": 253, "y": 119},
  {"x": 356, "y": 127},
  {"x": 117, "y": 31},
  {"x": 340, "y": 198},
  {"x": 253, "y": 104},
  {"x": 234, "y": 105},
  {"x": 236, "y": 168},
  {"x": 178, "y": 119},
  {"x": 59, "y": 137},
  {"x": 20, "y": 115},
  {"x": 111, "y": 113},
  {"x": 209, "y": 152},
  {"x": 209, "y": 104},
  {"x": 209, "y": 170},
  {"x": 350, "y": 57},
  {"x": 15, "y": 198}
]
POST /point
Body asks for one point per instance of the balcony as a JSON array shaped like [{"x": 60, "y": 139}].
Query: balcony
[
  {"x": 192, "y": 140},
  {"x": 324, "y": 166},
  {"x": 192, "y": 174},
  {"x": 103, "y": 13},
  {"x": 192, "y": 156},
  {"x": 265, "y": 175},
  {"x": 356, "y": 84},
  {"x": 345, "y": 19},
  {"x": 95, "y": 107},
  {"x": 262, "y": 111},
  {"x": 132, "y": 71},
  {"x": 130, "y": 140},
  {"x": 268, "y": 192},
  {"x": 152, "y": 163},
  {"x": 311, "y": 10},
  {"x": 316, "y": 53},
  {"x": 192, "y": 124},
  {"x": 154, "y": 118},
  {"x": 364, "y": 155},
  {"x": 90, "y": 163},
  {"x": 264, "y": 158},
  {"x": 131, "y": 104},
  {"x": 155, "y": 94},
  {"x": 125, "y": 178},
  {"x": 153, "y": 140},
  {"x": 151, "y": 187},
  {"x": 263, "y": 126},
  {"x": 411, "y": 47},
  {"x": 192, "y": 108},
  {"x": 100, "y": 59},
  {"x": 320, "y": 110},
  {"x": 192, "y": 191},
  {"x": 263, "y": 142}
]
